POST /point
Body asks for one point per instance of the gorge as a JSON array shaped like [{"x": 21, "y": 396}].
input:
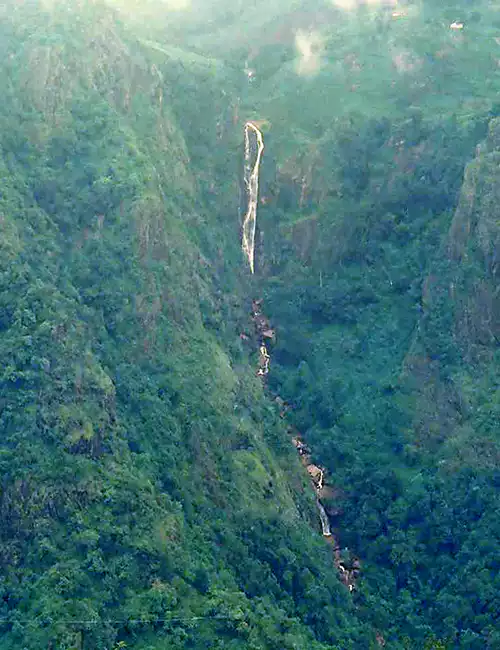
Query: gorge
[{"x": 206, "y": 420}]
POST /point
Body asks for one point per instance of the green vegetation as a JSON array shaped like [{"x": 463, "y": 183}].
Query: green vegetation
[
  {"x": 147, "y": 495},
  {"x": 380, "y": 271},
  {"x": 150, "y": 496}
]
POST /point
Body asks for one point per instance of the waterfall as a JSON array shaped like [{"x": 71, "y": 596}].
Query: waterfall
[
  {"x": 325, "y": 523},
  {"x": 251, "y": 179},
  {"x": 321, "y": 477}
]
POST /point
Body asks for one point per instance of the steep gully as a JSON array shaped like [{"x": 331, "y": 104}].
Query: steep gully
[{"x": 348, "y": 570}]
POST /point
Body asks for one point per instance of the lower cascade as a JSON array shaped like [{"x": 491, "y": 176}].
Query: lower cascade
[
  {"x": 325, "y": 522},
  {"x": 348, "y": 568}
]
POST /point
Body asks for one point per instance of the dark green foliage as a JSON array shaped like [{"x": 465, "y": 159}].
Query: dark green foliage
[
  {"x": 137, "y": 448},
  {"x": 149, "y": 496},
  {"x": 380, "y": 280}
]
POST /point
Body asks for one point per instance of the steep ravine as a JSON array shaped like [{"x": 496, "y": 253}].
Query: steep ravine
[{"x": 348, "y": 569}]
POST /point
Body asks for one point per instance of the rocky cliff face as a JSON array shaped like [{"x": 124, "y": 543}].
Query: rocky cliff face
[{"x": 474, "y": 246}]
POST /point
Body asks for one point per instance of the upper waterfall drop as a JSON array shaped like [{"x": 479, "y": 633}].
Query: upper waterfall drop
[{"x": 251, "y": 179}]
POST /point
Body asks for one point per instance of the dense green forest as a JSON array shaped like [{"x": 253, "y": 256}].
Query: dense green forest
[{"x": 150, "y": 496}]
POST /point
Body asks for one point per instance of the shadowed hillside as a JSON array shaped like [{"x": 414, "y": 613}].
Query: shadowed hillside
[{"x": 150, "y": 497}]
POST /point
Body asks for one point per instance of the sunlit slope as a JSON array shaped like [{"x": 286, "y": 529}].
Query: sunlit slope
[
  {"x": 215, "y": 27},
  {"x": 379, "y": 60}
]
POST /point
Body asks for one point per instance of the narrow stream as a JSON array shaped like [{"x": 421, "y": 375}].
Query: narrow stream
[{"x": 348, "y": 572}]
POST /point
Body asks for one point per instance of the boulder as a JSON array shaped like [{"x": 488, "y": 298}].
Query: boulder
[{"x": 315, "y": 473}]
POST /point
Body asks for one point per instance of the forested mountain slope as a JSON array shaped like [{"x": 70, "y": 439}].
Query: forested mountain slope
[
  {"x": 150, "y": 496},
  {"x": 379, "y": 246},
  {"x": 389, "y": 354}
]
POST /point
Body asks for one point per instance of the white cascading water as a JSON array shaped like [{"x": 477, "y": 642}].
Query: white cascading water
[
  {"x": 252, "y": 188},
  {"x": 325, "y": 523},
  {"x": 251, "y": 179}
]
